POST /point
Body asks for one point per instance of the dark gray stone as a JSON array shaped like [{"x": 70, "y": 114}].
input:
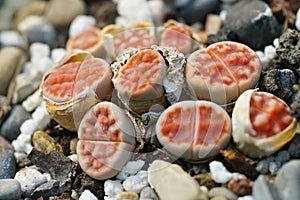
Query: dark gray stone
[
  {"x": 56, "y": 164},
  {"x": 43, "y": 33},
  {"x": 10, "y": 189},
  {"x": 264, "y": 190},
  {"x": 197, "y": 10},
  {"x": 225, "y": 34},
  {"x": 11, "y": 126},
  {"x": 7, "y": 164},
  {"x": 46, "y": 190},
  {"x": 288, "y": 180},
  {"x": 288, "y": 50},
  {"x": 253, "y": 23},
  {"x": 278, "y": 82},
  {"x": 295, "y": 106},
  {"x": 294, "y": 147}
]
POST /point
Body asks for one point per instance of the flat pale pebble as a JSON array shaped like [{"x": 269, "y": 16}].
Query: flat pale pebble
[
  {"x": 222, "y": 191},
  {"x": 148, "y": 193},
  {"x": 30, "y": 179},
  {"x": 38, "y": 50},
  {"x": 170, "y": 181},
  {"x": 87, "y": 195},
  {"x": 57, "y": 54},
  {"x": 10, "y": 189}
]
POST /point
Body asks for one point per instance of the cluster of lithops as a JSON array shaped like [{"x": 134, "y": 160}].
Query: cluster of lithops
[{"x": 192, "y": 85}]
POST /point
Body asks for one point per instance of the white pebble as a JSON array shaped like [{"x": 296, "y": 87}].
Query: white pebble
[
  {"x": 29, "y": 127},
  {"x": 33, "y": 101},
  {"x": 270, "y": 51},
  {"x": 11, "y": 38},
  {"x": 220, "y": 174},
  {"x": 276, "y": 42},
  {"x": 39, "y": 50},
  {"x": 30, "y": 179},
  {"x": 297, "y": 24},
  {"x": 247, "y": 197},
  {"x": 43, "y": 64},
  {"x": 112, "y": 188},
  {"x": 74, "y": 194},
  {"x": 132, "y": 167},
  {"x": 137, "y": 182},
  {"x": 87, "y": 195},
  {"x": 223, "y": 15},
  {"x": 20, "y": 155},
  {"x": 57, "y": 54},
  {"x": 74, "y": 158},
  {"x": 141, "y": 12},
  {"x": 81, "y": 23},
  {"x": 20, "y": 145},
  {"x": 158, "y": 10},
  {"x": 41, "y": 116}
]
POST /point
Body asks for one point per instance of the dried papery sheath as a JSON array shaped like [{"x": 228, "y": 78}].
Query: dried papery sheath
[
  {"x": 144, "y": 77},
  {"x": 194, "y": 130},
  {"x": 76, "y": 83},
  {"x": 261, "y": 123}
]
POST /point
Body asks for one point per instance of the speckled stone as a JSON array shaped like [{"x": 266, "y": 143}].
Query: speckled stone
[
  {"x": 10, "y": 189},
  {"x": 287, "y": 180},
  {"x": 278, "y": 82},
  {"x": 288, "y": 50},
  {"x": 11, "y": 126},
  {"x": 295, "y": 106},
  {"x": 45, "y": 143},
  {"x": 7, "y": 164}
]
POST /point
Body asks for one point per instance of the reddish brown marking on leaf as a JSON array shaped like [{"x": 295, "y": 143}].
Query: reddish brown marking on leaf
[
  {"x": 269, "y": 115},
  {"x": 178, "y": 37}
]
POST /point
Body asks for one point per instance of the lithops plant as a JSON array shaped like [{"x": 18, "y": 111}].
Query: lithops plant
[
  {"x": 74, "y": 85},
  {"x": 140, "y": 36},
  {"x": 194, "y": 130},
  {"x": 91, "y": 40},
  {"x": 181, "y": 36},
  {"x": 222, "y": 71},
  {"x": 261, "y": 123},
  {"x": 106, "y": 140}
]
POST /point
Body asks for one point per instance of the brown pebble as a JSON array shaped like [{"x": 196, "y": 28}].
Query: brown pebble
[
  {"x": 4, "y": 144},
  {"x": 219, "y": 198},
  {"x": 206, "y": 179},
  {"x": 128, "y": 196},
  {"x": 45, "y": 143},
  {"x": 240, "y": 187}
]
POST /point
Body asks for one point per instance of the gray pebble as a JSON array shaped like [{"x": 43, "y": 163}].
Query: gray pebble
[
  {"x": 254, "y": 23},
  {"x": 11, "y": 127},
  {"x": 274, "y": 166},
  {"x": 7, "y": 164},
  {"x": 287, "y": 180},
  {"x": 43, "y": 33},
  {"x": 264, "y": 190},
  {"x": 10, "y": 189},
  {"x": 295, "y": 107},
  {"x": 263, "y": 165},
  {"x": 222, "y": 191},
  {"x": 294, "y": 147},
  {"x": 283, "y": 156},
  {"x": 197, "y": 10},
  {"x": 46, "y": 190},
  {"x": 148, "y": 193}
]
